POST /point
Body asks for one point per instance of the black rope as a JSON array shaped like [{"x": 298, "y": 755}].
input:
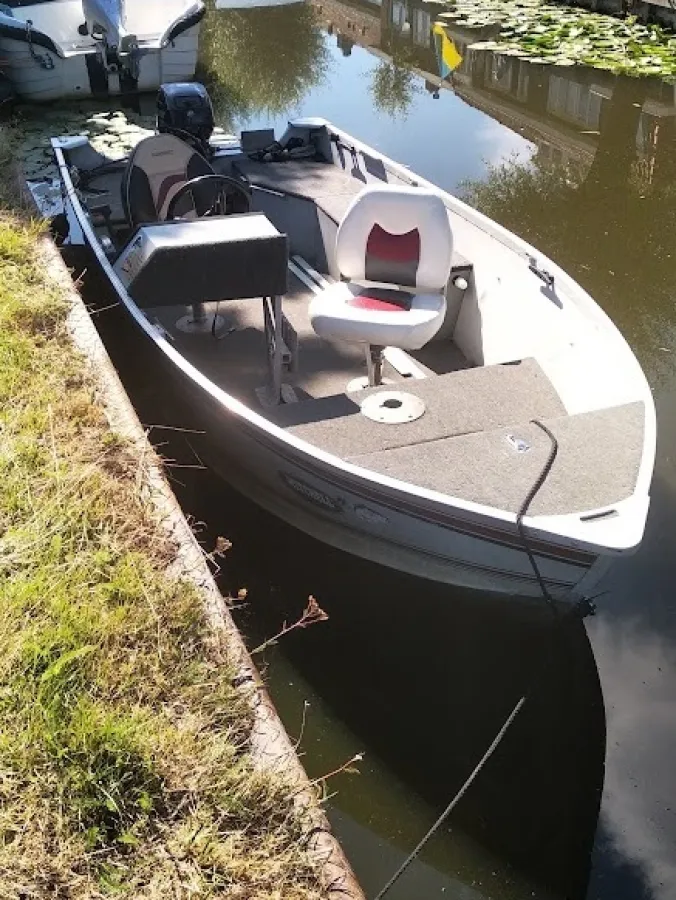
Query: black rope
[
  {"x": 554, "y": 449},
  {"x": 458, "y": 797},
  {"x": 578, "y": 608}
]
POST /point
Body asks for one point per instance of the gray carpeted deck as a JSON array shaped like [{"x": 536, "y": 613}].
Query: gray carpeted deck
[
  {"x": 596, "y": 465},
  {"x": 466, "y": 401},
  {"x": 325, "y": 184},
  {"x": 237, "y": 361}
]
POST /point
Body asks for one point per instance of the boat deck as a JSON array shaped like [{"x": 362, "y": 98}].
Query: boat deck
[
  {"x": 327, "y": 186},
  {"x": 596, "y": 464},
  {"x": 476, "y": 440},
  {"x": 235, "y": 359},
  {"x": 466, "y": 443}
]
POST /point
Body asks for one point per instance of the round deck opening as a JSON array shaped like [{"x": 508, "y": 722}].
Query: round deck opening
[{"x": 392, "y": 407}]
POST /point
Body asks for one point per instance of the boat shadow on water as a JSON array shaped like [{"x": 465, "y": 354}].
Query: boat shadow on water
[
  {"x": 422, "y": 675},
  {"x": 425, "y": 675}
]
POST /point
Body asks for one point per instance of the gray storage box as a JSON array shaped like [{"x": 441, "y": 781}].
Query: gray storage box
[{"x": 204, "y": 260}]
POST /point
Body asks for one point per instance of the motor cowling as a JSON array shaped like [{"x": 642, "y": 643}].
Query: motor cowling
[{"x": 185, "y": 110}]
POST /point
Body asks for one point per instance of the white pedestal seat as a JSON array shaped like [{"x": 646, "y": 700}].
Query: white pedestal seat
[
  {"x": 361, "y": 314},
  {"x": 393, "y": 250}
]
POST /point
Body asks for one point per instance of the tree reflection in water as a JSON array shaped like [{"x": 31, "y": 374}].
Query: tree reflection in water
[
  {"x": 261, "y": 61},
  {"x": 610, "y": 224},
  {"x": 393, "y": 88}
]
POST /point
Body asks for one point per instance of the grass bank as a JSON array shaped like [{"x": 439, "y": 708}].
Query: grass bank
[{"x": 124, "y": 763}]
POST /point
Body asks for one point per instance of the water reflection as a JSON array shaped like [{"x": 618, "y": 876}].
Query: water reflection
[
  {"x": 634, "y": 641},
  {"x": 260, "y": 60},
  {"x": 393, "y": 87},
  {"x": 424, "y": 676},
  {"x": 600, "y": 201},
  {"x": 638, "y": 668}
]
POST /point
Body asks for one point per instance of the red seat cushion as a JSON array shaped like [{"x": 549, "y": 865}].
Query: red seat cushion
[
  {"x": 392, "y": 258},
  {"x": 382, "y": 300}
]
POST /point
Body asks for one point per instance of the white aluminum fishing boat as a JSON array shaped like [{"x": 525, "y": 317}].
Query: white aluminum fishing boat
[
  {"x": 54, "y": 49},
  {"x": 370, "y": 359}
]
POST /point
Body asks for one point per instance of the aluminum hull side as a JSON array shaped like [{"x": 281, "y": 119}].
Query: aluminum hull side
[
  {"x": 375, "y": 523},
  {"x": 356, "y": 515}
]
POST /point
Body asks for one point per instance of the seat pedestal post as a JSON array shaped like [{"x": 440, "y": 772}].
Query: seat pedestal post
[
  {"x": 199, "y": 322},
  {"x": 199, "y": 314},
  {"x": 374, "y": 364}
]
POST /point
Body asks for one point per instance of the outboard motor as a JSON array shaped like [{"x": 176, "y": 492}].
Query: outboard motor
[
  {"x": 105, "y": 21},
  {"x": 185, "y": 110}
]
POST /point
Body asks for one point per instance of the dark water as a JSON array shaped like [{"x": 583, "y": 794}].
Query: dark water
[{"x": 421, "y": 677}]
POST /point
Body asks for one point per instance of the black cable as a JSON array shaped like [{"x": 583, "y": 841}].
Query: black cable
[
  {"x": 523, "y": 509},
  {"x": 577, "y": 608},
  {"x": 213, "y": 324},
  {"x": 458, "y": 797}
]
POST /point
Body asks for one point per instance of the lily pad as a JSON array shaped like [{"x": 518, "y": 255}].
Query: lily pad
[{"x": 550, "y": 34}]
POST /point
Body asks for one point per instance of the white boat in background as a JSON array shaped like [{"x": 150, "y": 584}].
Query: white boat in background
[
  {"x": 254, "y": 4},
  {"x": 56, "y": 49},
  {"x": 369, "y": 358}
]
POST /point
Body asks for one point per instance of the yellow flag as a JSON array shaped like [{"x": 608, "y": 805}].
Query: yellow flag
[{"x": 447, "y": 54}]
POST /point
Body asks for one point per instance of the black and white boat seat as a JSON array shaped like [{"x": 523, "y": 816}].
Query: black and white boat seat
[
  {"x": 393, "y": 250},
  {"x": 158, "y": 166}
]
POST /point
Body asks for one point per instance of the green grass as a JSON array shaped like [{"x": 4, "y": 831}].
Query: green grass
[{"x": 124, "y": 769}]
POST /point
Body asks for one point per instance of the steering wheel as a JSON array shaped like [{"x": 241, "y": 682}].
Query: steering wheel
[{"x": 227, "y": 187}]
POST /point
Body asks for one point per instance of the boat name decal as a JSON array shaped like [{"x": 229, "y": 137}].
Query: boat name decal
[
  {"x": 369, "y": 515},
  {"x": 313, "y": 494},
  {"x": 131, "y": 265}
]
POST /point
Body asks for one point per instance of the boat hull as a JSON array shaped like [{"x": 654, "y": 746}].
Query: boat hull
[
  {"x": 393, "y": 529},
  {"x": 380, "y": 528},
  {"x": 383, "y": 533},
  {"x": 337, "y": 504},
  {"x": 72, "y": 76}
]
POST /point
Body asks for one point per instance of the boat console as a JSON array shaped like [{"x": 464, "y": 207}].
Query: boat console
[{"x": 223, "y": 258}]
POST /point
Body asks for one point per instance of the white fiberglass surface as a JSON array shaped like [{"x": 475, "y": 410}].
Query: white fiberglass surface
[
  {"x": 59, "y": 20},
  {"x": 154, "y": 17}
]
